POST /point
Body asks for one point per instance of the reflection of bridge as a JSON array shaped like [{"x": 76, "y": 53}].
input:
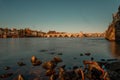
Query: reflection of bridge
[{"x": 64, "y": 35}]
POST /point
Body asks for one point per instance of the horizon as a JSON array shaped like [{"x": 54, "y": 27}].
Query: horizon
[{"x": 59, "y": 15}]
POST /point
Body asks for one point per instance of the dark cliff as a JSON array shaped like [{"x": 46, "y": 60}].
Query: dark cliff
[{"x": 113, "y": 32}]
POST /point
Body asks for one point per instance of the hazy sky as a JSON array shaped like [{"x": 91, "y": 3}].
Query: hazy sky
[{"x": 59, "y": 15}]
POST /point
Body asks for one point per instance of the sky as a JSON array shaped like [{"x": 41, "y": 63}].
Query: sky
[{"x": 59, "y": 15}]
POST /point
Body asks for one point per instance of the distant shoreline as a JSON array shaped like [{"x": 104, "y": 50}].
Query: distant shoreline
[
  {"x": 23, "y": 33},
  {"x": 48, "y": 37}
]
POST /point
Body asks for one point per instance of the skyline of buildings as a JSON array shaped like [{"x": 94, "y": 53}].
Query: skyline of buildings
[{"x": 21, "y": 33}]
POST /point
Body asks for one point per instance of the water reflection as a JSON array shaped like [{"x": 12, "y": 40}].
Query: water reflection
[{"x": 115, "y": 49}]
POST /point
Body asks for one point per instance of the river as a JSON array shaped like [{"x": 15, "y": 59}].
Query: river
[{"x": 13, "y": 50}]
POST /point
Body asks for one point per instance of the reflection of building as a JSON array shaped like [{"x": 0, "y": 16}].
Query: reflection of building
[{"x": 115, "y": 49}]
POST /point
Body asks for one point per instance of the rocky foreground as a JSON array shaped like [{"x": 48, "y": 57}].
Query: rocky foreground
[
  {"x": 53, "y": 71},
  {"x": 114, "y": 70}
]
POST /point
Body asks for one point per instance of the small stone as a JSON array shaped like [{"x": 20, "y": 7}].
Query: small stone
[
  {"x": 21, "y": 63},
  {"x": 6, "y": 68},
  {"x": 61, "y": 72},
  {"x": 36, "y": 78},
  {"x": 38, "y": 62},
  {"x": 87, "y": 54},
  {"x": 102, "y": 59},
  {"x": 35, "y": 61},
  {"x": 92, "y": 58},
  {"x": 81, "y": 66},
  {"x": 74, "y": 58},
  {"x": 60, "y": 53},
  {"x": 57, "y": 59},
  {"x": 81, "y": 54},
  {"x": 75, "y": 67},
  {"x": 20, "y": 77},
  {"x": 69, "y": 68},
  {"x": 49, "y": 65},
  {"x": 63, "y": 66},
  {"x": 53, "y": 77},
  {"x": 112, "y": 59},
  {"x": 50, "y": 72},
  {"x": 6, "y": 75},
  {"x": 79, "y": 71},
  {"x": 43, "y": 50},
  {"x": 52, "y": 53}
]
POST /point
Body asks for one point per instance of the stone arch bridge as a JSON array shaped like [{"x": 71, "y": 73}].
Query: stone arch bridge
[{"x": 63, "y": 35}]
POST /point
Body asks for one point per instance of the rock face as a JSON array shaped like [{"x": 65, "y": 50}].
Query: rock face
[
  {"x": 110, "y": 33},
  {"x": 113, "y": 32}
]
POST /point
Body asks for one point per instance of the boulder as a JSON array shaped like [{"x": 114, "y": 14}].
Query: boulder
[
  {"x": 35, "y": 61},
  {"x": 49, "y": 65},
  {"x": 57, "y": 59},
  {"x": 38, "y": 62}
]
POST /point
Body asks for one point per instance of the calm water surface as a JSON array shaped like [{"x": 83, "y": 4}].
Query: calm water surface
[{"x": 21, "y": 49}]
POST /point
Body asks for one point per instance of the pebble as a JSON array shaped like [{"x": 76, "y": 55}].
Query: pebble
[
  {"x": 60, "y": 53},
  {"x": 21, "y": 63},
  {"x": 81, "y": 54},
  {"x": 87, "y": 54},
  {"x": 43, "y": 50},
  {"x": 6, "y": 68}
]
